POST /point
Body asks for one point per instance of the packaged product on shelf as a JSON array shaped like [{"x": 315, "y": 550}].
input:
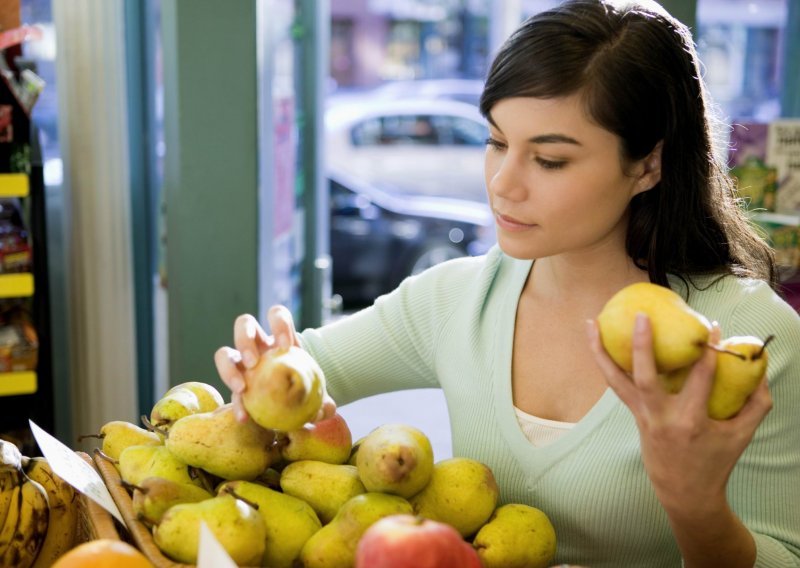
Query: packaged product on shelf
[
  {"x": 19, "y": 342},
  {"x": 756, "y": 183},
  {"x": 15, "y": 246},
  {"x": 783, "y": 233},
  {"x": 783, "y": 152}
]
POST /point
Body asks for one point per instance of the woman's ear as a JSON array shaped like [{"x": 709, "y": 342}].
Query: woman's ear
[{"x": 650, "y": 174}]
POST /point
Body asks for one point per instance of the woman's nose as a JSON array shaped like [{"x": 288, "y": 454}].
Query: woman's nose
[{"x": 505, "y": 179}]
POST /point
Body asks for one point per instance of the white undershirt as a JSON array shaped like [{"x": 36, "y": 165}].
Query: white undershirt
[{"x": 541, "y": 431}]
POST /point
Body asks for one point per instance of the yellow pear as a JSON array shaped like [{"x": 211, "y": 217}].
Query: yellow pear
[
  {"x": 516, "y": 536},
  {"x": 153, "y": 496},
  {"x": 395, "y": 459},
  {"x": 290, "y": 521},
  {"x": 119, "y": 434},
  {"x": 324, "y": 486},
  {"x": 462, "y": 492},
  {"x": 139, "y": 462},
  {"x": 173, "y": 406},
  {"x": 238, "y": 527},
  {"x": 334, "y": 545},
  {"x": 680, "y": 334},
  {"x": 208, "y": 397},
  {"x": 284, "y": 390},
  {"x": 221, "y": 445},
  {"x": 741, "y": 365}
]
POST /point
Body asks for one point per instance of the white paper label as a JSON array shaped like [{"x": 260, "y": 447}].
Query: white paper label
[
  {"x": 212, "y": 554},
  {"x": 75, "y": 471}
]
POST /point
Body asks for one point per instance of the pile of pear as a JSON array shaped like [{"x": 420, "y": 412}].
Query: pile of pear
[
  {"x": 681, "y": 336},
  {"x": 304, "y": 493},
  {"x": 39, "y": 515}
]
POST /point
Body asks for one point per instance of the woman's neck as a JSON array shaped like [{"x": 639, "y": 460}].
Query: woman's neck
[{"x": 582, "y": 278}]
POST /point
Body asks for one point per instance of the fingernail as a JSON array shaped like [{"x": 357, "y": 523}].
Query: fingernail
[
  {"x": 590, "y": 328},
  {"x": 641, "y": 322},
  {"x": 249, "y": 359},
  {"x": 241, "y": 415},
  {"x": 283, "y": 342}
]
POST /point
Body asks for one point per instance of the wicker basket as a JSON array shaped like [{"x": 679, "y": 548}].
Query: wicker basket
[{"x": 94, "y": 522}]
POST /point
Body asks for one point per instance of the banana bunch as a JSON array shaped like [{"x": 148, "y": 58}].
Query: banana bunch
[{"x": 38, "y": 511}]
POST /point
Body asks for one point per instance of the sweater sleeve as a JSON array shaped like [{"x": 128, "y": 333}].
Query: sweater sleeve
[
  {"x": 389, "y": 346},
  {"x": 764, "y": 488}
]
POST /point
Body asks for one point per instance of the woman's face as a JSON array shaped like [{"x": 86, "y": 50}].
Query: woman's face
[{"x": 555, "y": 179}]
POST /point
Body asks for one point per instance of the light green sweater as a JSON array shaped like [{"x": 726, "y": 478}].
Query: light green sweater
[{"x": 452, "y": 327}]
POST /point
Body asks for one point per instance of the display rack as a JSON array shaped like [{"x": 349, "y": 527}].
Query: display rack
[{"x": 29, "y": 394}]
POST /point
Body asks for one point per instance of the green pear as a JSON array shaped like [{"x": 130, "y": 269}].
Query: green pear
[
  {"x": 208, "y": 397},
  {"x": 221, "y": 445},
  {"x": 290, "y": 521},
  {"x": 334, "y": 545},
  {"x": 680, "y": 334},
  {"x": 284, "y": 390},
  {"x": 173, "y": 406},
  {"x": 324, "y": 486},
  {"x": 516, "y": 536},
  {"x": 741, "y": 366},
  {"x": 462, "y": 493},
  {"x": 153, "y": 496},
  {"x": 238, "y": 527},
  {"x": 137, "y": 463},
  {"x": 327, "y": 440},
  {"x": 395, "y": 459},
  {"x": 119, "y": 434}
]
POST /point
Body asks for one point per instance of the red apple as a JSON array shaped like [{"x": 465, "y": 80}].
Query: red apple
[{"x": 408, "y": 541}]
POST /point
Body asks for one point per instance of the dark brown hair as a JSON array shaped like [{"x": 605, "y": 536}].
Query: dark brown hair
[{"x": 637, "y": 69}]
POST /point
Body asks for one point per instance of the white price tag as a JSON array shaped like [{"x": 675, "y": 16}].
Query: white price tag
[
  {"x": 212, "y": 554},
  {"x": 69, "y": 466}
]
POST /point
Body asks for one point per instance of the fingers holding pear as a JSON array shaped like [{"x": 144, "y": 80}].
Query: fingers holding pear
[{"x": 285, "y": 389}]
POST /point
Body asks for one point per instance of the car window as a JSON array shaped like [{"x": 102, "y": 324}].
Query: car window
[
  {"x": 415, "y": 130},
  {"x": 458, "y": 131}
]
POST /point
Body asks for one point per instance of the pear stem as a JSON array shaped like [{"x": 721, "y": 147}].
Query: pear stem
[
  {"x": 94, "y": 436},
  {"x": 237, "y": 496},
  {"x": 154, "y": 427},
  {"x": 719, "y": 349},
  {"x": 105, "y": 456},
  {"x": 130, "y": 486},
  {"x": 763, "y": 347}
]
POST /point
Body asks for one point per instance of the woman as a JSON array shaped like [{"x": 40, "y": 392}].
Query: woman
[{"x": 601, "y": 172}]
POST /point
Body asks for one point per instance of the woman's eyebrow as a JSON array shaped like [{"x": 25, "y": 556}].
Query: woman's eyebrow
[{"x": 553, "y": 139}]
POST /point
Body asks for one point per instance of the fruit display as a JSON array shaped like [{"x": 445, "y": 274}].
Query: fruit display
[
  {"x": 303, "y": 497},
  {"x": 680, "y": 338}
]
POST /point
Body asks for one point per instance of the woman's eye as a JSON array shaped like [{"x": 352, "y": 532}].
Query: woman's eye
[
  {"x": 495, "y": 144},
  {"x": 550, "y": 164}
]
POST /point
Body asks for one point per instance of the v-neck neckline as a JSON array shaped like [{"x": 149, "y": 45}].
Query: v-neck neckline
[{"x": 532, "y": 457}]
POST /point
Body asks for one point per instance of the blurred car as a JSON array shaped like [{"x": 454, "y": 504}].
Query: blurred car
[
  {"x": 419, "y": 146},
  {"x": 379, "y": 236},
  {"x": 464, "y": 90}
]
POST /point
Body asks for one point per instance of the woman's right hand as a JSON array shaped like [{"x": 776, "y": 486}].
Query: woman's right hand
[{"x": 250, "y": 342}]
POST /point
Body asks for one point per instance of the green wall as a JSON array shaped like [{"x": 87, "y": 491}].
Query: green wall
[{"x": 210, "y": 177}]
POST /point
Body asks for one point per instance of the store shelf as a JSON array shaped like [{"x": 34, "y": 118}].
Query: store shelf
[
  {"x": 16, "y": 285},
  {"x": 18, "y": 382},
  {"x": 14, "y": 185}
]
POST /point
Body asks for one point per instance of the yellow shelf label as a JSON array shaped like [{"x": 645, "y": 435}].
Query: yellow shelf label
[
  {"x": 17, "y": 382},
  {"x": 14, "y": 185},
  {"x": 16, "y": 285}
]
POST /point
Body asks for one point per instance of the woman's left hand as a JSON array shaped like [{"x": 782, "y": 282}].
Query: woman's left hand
[{"x": 687, "y": 455}]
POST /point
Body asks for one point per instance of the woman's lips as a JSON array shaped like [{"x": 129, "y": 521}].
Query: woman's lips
[{"x": 510, "y": 224}]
